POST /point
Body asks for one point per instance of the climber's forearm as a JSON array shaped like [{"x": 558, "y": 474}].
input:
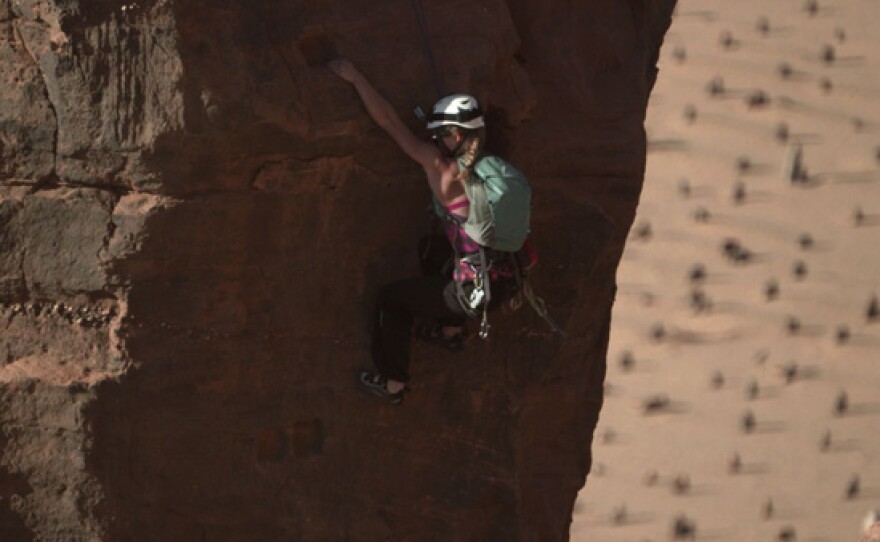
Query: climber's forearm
[
  {"x": 384, "y": 115},
  {"x": 377, "y": 106}
]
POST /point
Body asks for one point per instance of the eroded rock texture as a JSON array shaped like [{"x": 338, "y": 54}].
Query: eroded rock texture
[{"x": 194, "y": 218}]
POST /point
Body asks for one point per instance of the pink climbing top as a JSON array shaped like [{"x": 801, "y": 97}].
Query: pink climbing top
[{"x": 465, "y": 246}]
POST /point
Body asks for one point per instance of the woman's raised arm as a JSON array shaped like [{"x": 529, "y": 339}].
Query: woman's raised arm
[{"x": 384, "y": 115}]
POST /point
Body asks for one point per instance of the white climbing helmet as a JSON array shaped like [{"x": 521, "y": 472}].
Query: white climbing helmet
[{"x": 457, "y": 110}]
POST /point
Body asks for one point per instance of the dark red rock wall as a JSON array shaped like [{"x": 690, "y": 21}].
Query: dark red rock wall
[{"x": 195, "y": 216}]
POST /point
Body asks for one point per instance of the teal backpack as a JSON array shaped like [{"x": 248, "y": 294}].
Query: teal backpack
[
  {"x": 498, "y": 219},
  {"x": 500, "y": 203}
]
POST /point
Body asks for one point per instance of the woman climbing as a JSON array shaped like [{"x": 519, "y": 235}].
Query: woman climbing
[{"x": 458, "y": 133}]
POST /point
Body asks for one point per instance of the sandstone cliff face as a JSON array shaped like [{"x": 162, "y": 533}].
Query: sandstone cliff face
[{"x": 194, "y": 218}]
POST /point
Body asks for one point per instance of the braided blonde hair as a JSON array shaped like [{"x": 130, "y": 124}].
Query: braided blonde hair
[{"x": 471, "y": 148}]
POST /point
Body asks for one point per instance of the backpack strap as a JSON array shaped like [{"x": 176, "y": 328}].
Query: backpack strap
[{"x": 479, "y": 225}]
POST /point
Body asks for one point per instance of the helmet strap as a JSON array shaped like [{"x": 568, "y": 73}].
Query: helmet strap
[
  {"x": 447, "y": 152},
  {"x": 457, "y": 148}
]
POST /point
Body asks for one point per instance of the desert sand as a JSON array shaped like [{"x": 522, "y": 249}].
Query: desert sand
[{"x": 743, "y": 388}]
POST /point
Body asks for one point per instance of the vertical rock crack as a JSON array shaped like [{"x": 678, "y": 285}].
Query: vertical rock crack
[{"x": 30, "y": 54}]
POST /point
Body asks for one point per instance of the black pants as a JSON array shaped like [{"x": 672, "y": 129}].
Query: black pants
[
  {"x": 427, "y": 297},
  {"x": 430, "y": 297}
]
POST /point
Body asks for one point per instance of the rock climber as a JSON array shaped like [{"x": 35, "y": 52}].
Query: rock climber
[{"x": 457, "y": 132}]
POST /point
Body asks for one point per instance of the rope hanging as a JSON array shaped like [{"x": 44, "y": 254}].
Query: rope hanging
[{"x": 423, "y": 25}]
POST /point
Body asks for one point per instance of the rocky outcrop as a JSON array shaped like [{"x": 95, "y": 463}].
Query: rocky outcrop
[{"x": 194, "y": 217}]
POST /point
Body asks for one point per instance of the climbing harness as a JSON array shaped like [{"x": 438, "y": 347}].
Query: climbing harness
[
  {"x": 423, "y": 25},
  {"x": 476, "y": 302},
  {"x": 481, "y": 294}
]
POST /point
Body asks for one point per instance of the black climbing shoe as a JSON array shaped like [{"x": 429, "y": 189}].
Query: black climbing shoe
[
  {"x": 376, "y": 384},
  {"x": 433, "y": 334}
]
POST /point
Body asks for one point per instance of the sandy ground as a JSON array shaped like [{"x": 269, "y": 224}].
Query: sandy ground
[{"x": 717, "y": 173}]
